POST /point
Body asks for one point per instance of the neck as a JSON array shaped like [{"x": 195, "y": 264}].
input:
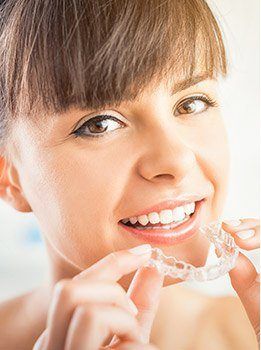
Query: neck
[{"x": 59, "y": 267}]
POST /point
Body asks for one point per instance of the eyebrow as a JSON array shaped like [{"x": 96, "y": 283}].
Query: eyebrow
[{"x": 186, "y": 83}]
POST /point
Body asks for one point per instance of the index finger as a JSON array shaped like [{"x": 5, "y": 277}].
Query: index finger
[
  {"x": 117, "y": 264},
  {"x": 246, "y": 232}
]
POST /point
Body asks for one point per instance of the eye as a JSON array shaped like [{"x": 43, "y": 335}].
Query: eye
[
  {"x": 96, "y": 126},
  {"x": 194, "y": 105}
]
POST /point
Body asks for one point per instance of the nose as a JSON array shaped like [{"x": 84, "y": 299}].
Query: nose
[{"x": 166, "y": 158}]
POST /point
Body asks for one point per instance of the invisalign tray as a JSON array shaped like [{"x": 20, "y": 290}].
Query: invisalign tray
[{"x": 226, "y": 248}]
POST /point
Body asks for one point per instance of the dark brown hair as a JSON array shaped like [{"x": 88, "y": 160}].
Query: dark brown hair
[{"x": 55, "y": 54}]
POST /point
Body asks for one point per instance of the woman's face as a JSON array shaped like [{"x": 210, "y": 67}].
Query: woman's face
[{"x": 149, "y": 150}]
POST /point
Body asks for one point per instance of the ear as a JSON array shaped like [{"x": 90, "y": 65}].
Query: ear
[{"x": 10, "y": 189}]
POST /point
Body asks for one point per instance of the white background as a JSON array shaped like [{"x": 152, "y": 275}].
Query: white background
[{"x": 23, "y": 263}]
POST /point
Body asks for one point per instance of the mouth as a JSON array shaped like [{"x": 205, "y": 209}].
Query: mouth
[{"x": 167, "y": 234}]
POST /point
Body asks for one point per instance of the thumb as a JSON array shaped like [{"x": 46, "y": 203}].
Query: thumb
[
  {"x": 41, "y": 341},
  {"x": 144, "y": 291},
  {"x": 245, "y": 280}
]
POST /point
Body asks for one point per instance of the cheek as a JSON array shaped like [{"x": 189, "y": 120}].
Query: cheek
[
  {"x": 218, "y": 165},
  {"x": 209, "y": 142},
  {"x": 73, "y": 194},
  {"x": 213, "y": 155}
]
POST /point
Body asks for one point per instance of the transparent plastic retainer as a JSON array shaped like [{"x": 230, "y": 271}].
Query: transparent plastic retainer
[{"x": 227, "y": 253}]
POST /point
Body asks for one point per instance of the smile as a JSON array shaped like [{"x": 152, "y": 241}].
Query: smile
[{"x": 174, "y": 232}]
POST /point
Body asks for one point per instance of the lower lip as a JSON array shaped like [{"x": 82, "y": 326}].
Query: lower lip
[{"x": 177, "y": 235}]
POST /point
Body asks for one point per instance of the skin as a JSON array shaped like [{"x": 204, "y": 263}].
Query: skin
[
  {"x": 78, "y": 202},
  {"x": 184, "y": 160}
]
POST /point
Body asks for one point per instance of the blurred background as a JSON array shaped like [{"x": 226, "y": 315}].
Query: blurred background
[{"x": 23, "y": 262}]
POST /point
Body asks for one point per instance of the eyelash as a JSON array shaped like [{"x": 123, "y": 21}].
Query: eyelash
[
  {"x": 208, "y": 100},
  {"x": 98, "y": 118},
  {"x": 79, "y": 133}
]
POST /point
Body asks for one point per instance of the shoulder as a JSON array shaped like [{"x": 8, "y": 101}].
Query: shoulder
[
  {"x": 188, "y": 319},
  {"x": 21, "y": 322},
  {"x": 227, "y": 315},
  {"x": 224, "y": 320}
]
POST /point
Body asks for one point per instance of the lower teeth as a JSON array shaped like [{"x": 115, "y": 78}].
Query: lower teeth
[{"x": 164, "y": 227}]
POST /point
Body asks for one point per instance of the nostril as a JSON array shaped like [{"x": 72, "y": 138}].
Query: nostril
[{"x": 167, "y": 176}]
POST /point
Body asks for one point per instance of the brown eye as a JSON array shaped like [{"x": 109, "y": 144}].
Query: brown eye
[
  {"x": 191, "y": 107},
  {"x": 194, "y": 105},
  {"x": 97, "y": 126}
]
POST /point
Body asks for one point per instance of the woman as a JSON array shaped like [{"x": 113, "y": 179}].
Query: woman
[{"x": 110, "y": 112}]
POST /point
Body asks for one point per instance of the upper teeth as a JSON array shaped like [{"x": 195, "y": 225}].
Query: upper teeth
[{"x": 165, "y": 216}]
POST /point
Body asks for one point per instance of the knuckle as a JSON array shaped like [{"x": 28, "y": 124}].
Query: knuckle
[
  {"x": 63, "y": 290},
  {"x": 118, "y": 295},
  {"x": 119, "y": 290},
  {"x": 128, "y": 319},
  {"x": 114, "y": 258},
  {"x": 89, "y": 314}
]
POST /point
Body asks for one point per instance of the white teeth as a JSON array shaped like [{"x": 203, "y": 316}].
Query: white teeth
[
  {"x": 166, "y": 216},
  {"x": 133, "y": 220},
  {"x": 178, "y": 214},
  {"x": 189, "y": 208},
  {"x": 154, "y": 218},
  {"x": 143, "y": 219}
]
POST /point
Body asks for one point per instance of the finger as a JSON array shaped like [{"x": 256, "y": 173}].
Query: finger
[
  {"x": 41, "y": 341},
  {"x": 144, "y": 291},
  {"x": 135, "y": 346},
  {"x": 110, "y": 268},
  {"x": 117, "y": 264},
  {"x": 91, "y": 324},
  {"x": 69, "y": 294},
  {"x": 246, "y": 232},
  {"x": 245, "y": 280}
]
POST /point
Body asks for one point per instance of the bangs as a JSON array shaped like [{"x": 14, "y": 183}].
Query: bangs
[{"x": 92, "y": 54}]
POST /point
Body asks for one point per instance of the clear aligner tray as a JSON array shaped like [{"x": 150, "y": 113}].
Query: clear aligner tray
[{"x": 227, "y": 255}]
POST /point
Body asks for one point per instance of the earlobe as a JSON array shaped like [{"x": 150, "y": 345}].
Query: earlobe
[
  {"x": 15, "y": 198},
  {"x": 10, "y": 189}
]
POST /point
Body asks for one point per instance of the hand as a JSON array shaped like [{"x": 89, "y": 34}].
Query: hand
[
  {"x": 143, "y": 293},
  {"x": 90, "y": 308},
  {"x": 244, "y": 277}
]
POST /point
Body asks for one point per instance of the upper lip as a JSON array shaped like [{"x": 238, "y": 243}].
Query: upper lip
[{"x": 169, "y": 204}]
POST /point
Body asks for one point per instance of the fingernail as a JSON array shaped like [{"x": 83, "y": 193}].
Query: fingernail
[
  {"x": 232, "y": 222},
  {"x": 245, "y": 234},
  {"x": 133, "y": 307},
  {"x": 141, "y": 249}
]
